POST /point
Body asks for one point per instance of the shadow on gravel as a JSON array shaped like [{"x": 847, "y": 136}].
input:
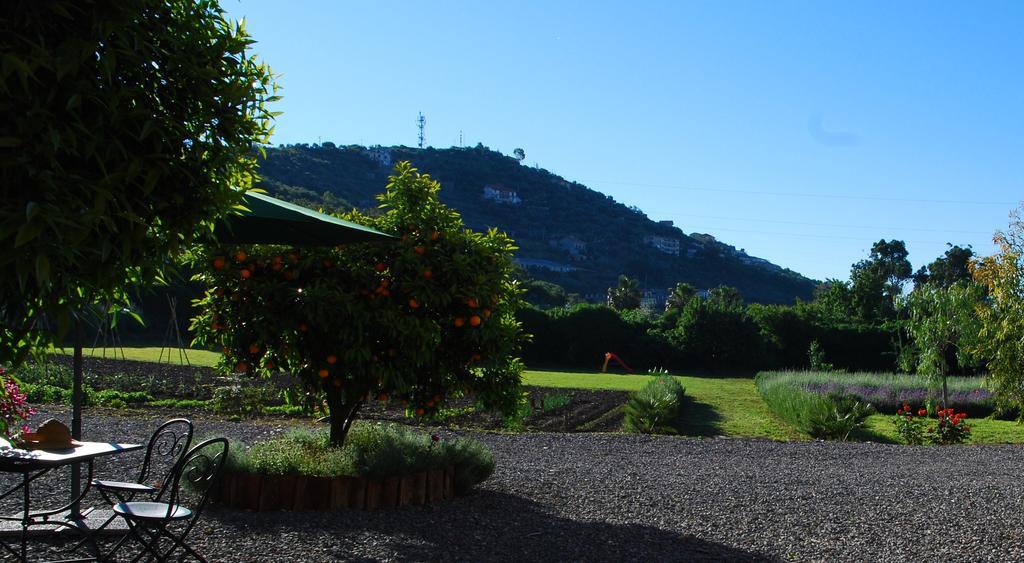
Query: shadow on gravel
[
  {"x": 867, "y": 435},
  {"x": 485, "y": 526},
  {"x": 699, "y": 419}
]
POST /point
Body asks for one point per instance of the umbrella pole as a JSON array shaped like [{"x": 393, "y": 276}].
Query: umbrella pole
[{"x": 76, "y": 418}]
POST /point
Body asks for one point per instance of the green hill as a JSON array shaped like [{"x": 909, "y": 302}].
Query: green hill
[{"x": 567, "y": 233}]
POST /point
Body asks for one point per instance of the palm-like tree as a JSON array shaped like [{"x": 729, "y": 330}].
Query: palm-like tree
[
  {"x": 626, "y": 295},
  {"x": 679, "y": 296}
]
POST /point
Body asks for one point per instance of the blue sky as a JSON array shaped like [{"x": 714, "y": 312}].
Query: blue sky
[{"x": 799, "y": 131}]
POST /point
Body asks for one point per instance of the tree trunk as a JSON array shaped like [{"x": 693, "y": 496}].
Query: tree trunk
[
  {"x": 342, "y": 415},
  {"x": 945, "y": 393}
]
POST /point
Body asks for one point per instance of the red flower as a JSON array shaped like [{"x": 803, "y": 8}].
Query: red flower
[
  {"x": 922, "y": 412},
  {"x": 899, "y": 412}
]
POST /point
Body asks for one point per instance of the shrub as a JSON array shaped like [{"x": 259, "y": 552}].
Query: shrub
[
  {"x": 372, "y": 450},
  {"x": 655, "y": 408},
  {"x": 242, "y": 400},
  {"x": 948, "y": 429},
  {"x": 121, "y": 399},
  {"x": 910, "y": 428},
  {"x": 843, "y": 415}
]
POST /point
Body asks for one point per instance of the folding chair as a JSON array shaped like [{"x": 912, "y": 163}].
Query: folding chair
[{"x": 150, "y": 522}]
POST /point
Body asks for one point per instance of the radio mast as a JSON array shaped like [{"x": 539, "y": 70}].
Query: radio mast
[{"x": 421, "y": 122}]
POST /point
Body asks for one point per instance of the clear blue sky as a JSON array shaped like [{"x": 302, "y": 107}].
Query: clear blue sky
[{"x": 799, "y": 131}]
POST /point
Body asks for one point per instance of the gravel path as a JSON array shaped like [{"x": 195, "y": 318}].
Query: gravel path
[{"x": 598, "y": 497}]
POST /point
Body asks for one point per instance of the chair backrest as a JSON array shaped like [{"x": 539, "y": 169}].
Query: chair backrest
[
  {"x": 166, "y": 447},
  {"x": 197, "y": 472}
]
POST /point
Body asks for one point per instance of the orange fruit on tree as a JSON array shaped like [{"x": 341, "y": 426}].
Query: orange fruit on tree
[
  {"x": 414, "y": 304},
  {"x": 245, "y": 274},
  {"x": 254, "y": 348},
  {"x": 241, "y": 255},
  {"x": 218, "y": 263},
  {"x": 459, "y": 321},
  {"x": 430, "y": 403},
  {"x": 380, "y": 267},
  {"x": 419, "y": 249},
  {"x": 323, "y": 372},
  {"x": 474, "y": 320},
  {"x": 332, "y": 359},
  {"x": 427, "y": 274},
  {"x": 487, "y": 313},
  {"x": 476, "y": 357},
  {"x": 472, "y": 303}
]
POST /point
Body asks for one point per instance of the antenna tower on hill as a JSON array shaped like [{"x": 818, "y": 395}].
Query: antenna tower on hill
[{"x": 421, "y": 122}]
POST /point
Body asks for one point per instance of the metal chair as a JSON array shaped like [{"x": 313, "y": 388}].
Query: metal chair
[
  {"x": 149, "y": 522},
  {"x": 166, "y": 447}
]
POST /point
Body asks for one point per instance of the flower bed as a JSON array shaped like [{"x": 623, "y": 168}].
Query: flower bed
[{"x": 380, "y": 466}]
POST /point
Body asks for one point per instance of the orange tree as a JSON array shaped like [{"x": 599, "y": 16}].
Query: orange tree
[{"x": 421, "y": 320}]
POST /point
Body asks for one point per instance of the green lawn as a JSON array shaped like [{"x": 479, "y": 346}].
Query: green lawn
[
  {"x": 717, "y": 406},
  {"x": 728, "y": 406},
  {"x": 152, "y": 354}
]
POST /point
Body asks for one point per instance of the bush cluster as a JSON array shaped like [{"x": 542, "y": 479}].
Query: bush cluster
[
  {"x": 371, "y": 450},
  {"x": 705, "y": 335},
  {"x": 656, "y": 407},
  {"x": 831, "y": 416}
]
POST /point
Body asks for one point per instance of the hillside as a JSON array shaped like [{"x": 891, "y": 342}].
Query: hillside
[{"x": 567, "y": 233}]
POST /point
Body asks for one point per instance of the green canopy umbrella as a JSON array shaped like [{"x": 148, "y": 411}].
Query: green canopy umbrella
[{"x": 272, "y": 221}]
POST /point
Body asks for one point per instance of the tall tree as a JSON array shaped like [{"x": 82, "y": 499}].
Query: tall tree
[
  {"x": 1001, "y": 339},
  {"x": 127, "y": 129},
  {"x": 626, "y": 295},
  {"x": 944, "y": 324},
  {"x": 520, "y": 154},
  {"x": 679, "y": 296},
  {"x": 878, "y": 281},
  {"x": 952, "y": 267}
]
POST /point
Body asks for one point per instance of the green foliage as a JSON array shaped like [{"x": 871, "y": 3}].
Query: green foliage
[
  {"x": 243, "y": 400},
  {"x": 1001, "y": 338},
  {"x": 422, "y": 319},
  {"x": 679, "y": 296},
  {"x": 910, "y": 425},
  {"x": 944, "y": 325},
  {"x": 717, "y": 333},
  {"x": 128, "y": 128},
  {"x": 830, "y": 416},
  {"x": 816, "y": 357},
  {"x": 951, "y": 268},
  {"x": 655, "y": 408},
  {"x": 626, "y": 295},
  {"x": 372, "y": 450},
  {"x": 121, "y": 399}
]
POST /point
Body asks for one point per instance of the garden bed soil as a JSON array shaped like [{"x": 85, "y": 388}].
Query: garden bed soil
[{"x": 585, "y": 411}]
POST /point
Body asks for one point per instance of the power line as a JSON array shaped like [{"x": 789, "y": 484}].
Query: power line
[
  {"x": 703, "y": 230},
  {"x": 799, "y": 194},
  {"x": 834, "y": 225}
]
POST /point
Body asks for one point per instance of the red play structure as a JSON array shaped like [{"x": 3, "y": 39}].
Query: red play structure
[{"x": 608, "y": 356}]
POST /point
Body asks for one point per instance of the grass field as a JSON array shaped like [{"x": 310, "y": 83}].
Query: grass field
[
  {"x": 728, "y": 406},
  {"x": 716, "y": 406},
  {"x": 152, "y": 354}
]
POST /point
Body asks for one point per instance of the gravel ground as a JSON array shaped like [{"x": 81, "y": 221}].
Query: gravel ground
[{"x": 598, "y": 497}]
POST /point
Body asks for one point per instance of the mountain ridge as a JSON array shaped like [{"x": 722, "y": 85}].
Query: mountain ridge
[{"x": 567, "y": 233}]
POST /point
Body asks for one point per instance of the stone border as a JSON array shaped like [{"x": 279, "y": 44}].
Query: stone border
[{"x": 254, "y": 491}]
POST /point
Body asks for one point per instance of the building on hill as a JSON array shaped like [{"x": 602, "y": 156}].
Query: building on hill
[
  {"x": 654, "y": 299},
  {"x": 380, "y": 155},
  {"x": 536, "y": 263},
  {"x": 668, "y": 245},
  {"x": 574, "y": 246},
  {"x": 500, "y": 194}
]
